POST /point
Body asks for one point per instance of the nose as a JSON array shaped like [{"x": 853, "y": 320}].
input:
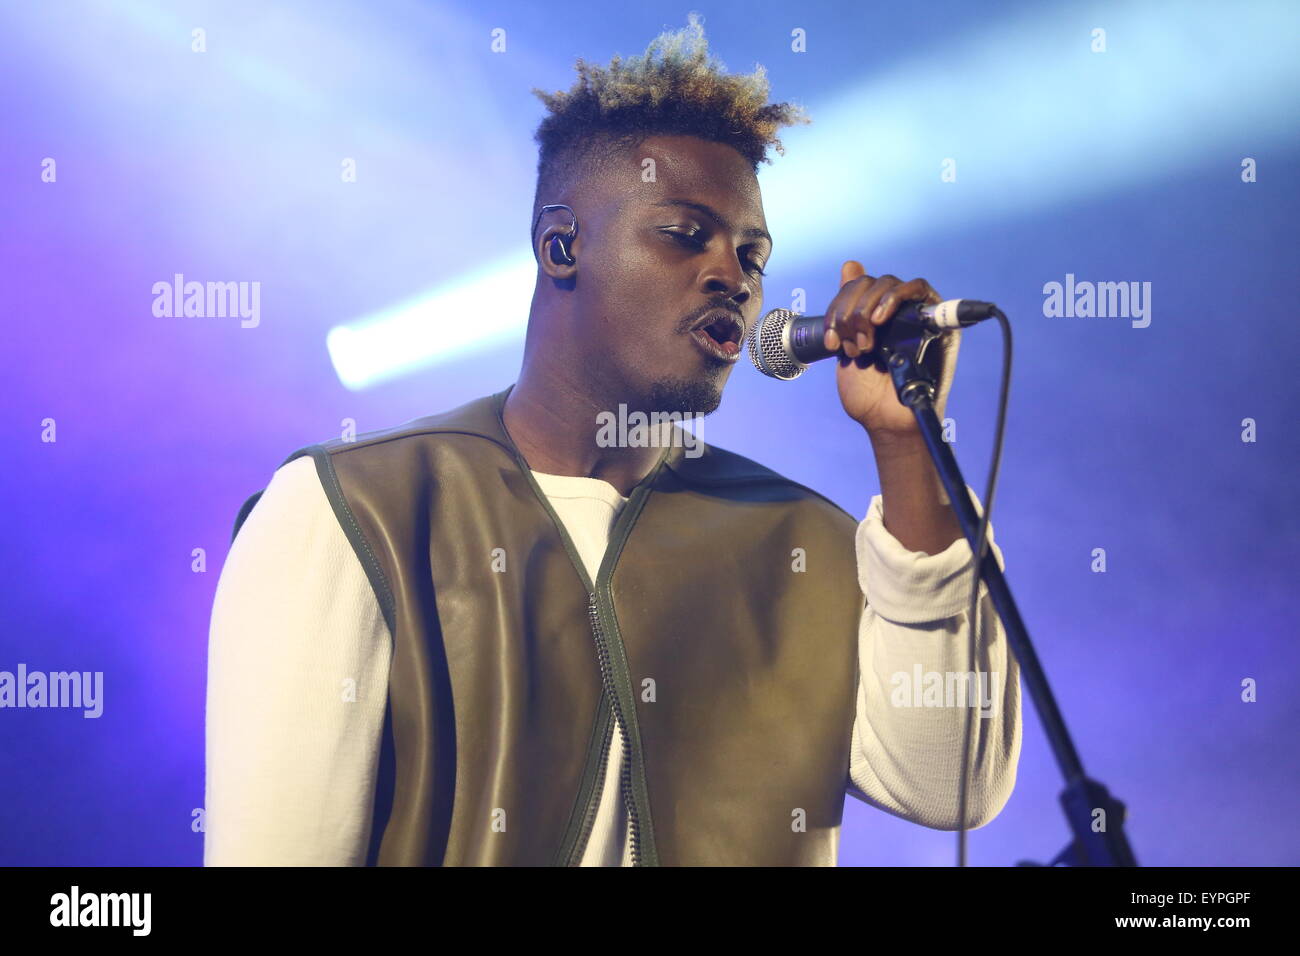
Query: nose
[{"x": 729, "y": 280}]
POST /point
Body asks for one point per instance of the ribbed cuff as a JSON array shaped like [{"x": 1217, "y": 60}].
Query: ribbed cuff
[{"x": 912, "y": 587}]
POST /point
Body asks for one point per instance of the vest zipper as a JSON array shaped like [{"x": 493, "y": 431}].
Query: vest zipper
[
  {"x": 625, "y": 775},
  {"x": 579, "y": 831},
  {"x": 632, "y": 787}
]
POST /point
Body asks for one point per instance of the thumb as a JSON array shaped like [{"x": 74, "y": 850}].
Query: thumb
[{"x": 852, "y": 269}]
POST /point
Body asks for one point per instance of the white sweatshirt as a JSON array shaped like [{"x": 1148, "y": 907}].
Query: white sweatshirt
[{"x": 298, "y": 661}]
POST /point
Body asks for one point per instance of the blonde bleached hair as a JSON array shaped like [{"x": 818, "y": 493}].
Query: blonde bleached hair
[{"x": 674, "y": 88}]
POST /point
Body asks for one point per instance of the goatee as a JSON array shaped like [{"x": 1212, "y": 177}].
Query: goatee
[{"x": 690, "y": 397}]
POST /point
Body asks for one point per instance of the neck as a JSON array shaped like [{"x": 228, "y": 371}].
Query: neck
[{"x": 551, "y": 419}]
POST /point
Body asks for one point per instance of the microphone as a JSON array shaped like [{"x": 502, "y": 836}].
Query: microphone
[{"x": 784, "y": 343}]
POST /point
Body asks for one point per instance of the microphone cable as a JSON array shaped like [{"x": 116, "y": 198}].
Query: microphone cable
[{"x": 977, "y": 559}]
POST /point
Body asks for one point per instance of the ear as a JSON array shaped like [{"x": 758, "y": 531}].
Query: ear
[{"x": 545, "y": 240}]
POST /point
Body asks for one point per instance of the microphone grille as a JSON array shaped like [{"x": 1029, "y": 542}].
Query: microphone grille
[{"x": 769, "y": 348}]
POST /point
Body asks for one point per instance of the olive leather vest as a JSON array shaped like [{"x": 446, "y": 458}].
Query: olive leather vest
[{"x": 721, "y": 630}]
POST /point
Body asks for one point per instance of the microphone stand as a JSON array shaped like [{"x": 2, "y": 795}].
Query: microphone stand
[{"x": 1082, "y": 796}]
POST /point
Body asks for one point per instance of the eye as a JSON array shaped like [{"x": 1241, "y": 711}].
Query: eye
[{"x": 693, "y": 241}]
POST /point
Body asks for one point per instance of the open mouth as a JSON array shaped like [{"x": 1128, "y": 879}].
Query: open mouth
[{"x": 721, "y": 334}]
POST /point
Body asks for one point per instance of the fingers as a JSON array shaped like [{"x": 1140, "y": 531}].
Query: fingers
[
  {"x": 854, "y": 282},
  {"x": 863, "y": 303},
  {"x": 880, "y": 308},
  {"x": 861, "y": 323},
  {"x": 918, "y": 290},
  {"x": 851, "y": 270},
  {"x": 852, "y": 319}
]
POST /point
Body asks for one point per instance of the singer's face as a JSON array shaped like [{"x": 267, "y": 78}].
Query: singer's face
[{"x": 660, "y": 256}]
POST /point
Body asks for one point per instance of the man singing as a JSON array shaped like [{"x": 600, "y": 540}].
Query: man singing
[{"x": 491, "y": 637}]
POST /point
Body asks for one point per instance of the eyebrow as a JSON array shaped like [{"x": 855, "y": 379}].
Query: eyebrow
[{"x": 753, "y": 232}]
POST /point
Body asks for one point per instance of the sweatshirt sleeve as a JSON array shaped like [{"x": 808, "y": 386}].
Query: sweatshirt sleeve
[
  {"x": 913, "y": 653},
  {"x": 298, "y": 657}
]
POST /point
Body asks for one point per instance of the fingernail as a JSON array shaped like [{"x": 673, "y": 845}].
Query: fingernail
[{"x": 879, "y": 313}]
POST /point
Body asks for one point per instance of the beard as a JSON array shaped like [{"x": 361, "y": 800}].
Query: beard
[{"x": 688, "y": 396}]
